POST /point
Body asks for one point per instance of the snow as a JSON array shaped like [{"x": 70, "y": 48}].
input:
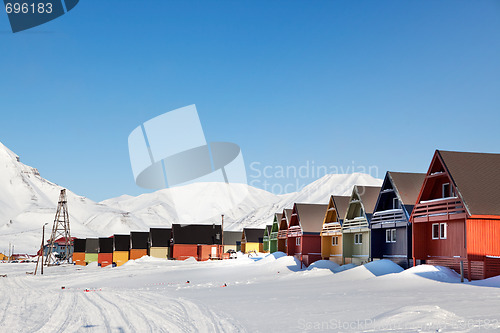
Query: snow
[
  {"x": 272, "y": 294},
  {"x": 27, "y": 201}
]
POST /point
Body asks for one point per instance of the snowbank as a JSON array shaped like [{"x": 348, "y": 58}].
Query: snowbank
[
  {"x": 383, "y": 267},
  {"x": 324, "y": 264},
  {"x": 437, "y": 273}
]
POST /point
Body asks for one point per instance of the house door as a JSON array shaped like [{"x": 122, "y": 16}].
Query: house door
[{"x": 214, "y": 252}]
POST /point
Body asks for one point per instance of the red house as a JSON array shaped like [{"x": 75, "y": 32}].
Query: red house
[
  {"x": 304, "y": 232},
  {"x": 457, "y": 214}
]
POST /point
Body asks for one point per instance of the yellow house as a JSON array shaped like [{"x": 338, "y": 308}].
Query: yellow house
[
  {"x": 252, "y": 240},
  {"x": 331, "y": 233},
  {"x": 3, "y": 256},
  {"x": 230, "y": 240}
]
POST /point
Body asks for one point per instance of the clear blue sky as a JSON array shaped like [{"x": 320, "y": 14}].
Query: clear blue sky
[{"x": 374, "y": 83}]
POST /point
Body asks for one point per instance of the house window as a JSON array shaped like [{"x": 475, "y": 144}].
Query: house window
[
  {"x": 395, "y": 203},
  {"x": 335, "y": 240},
  {"x": 439, "y": 230},
  {"x": 446, "y": 190},
  {"x": 390, "y": 236},
  {"x": 435, "y": 231},
  {"x": 297, "y": 241},
  {"x": 217, "y": 236},
  {"x": 361, "y": 211},
  {"x": 358, "y": 238},
  {"x": 443, "y": 230},
  {"x": 286, "y": 242}
]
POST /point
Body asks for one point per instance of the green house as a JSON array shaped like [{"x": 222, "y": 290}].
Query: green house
[
  {"x": 267, "y": 238},
  {"x": 273, "y": 238}
]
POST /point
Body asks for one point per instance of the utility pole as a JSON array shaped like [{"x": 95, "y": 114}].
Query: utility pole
[
  {"x": 222, "y": 230},
  {"x": 60, "y": 229},
  {"x": 41, "y": 250}
]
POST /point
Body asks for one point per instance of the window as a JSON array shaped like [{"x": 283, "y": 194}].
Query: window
[
  {"x": 297, "y": 241},
  {"x": 446, "y": 190},
  {"x": 395, "y": 203},
  {"x": 390, "y": 236},
  {"x": 435, "y": 231},
  {"x": 361, "y": 211},
  {"x": 286, "y": 242},
  {"x": 358, "y": 238},
  {"x": 443, "y": 230},
  {"x": 439, "y": 230},
  {"x": 335, "y": 240}
]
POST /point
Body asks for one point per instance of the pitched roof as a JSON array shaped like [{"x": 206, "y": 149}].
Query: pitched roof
[
  {"x": 288, "y": 214},
  {"x": 268, "y": 227},
  {"x": 477, "y": 179},
  {"x": 407, "y": 185},
  {"x": 311, "y": 216},
  {"x": 197, "y": 234},
  {"x": 231, "y": 237},
  {"x": 368, "y": 196},
  {"x": 253, "y": 235},
  {"x": 277, "y": 217},
  {"x": 341, "y": 205}
]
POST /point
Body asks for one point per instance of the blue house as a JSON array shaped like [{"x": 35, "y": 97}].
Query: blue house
[{"x": 390, "y": 223}]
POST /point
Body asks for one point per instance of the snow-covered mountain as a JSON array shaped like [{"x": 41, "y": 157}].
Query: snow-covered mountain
[{"x": 27, "y": 201}]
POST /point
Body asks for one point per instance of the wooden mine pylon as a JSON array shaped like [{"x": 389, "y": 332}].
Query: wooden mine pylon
[{"x": 60, "y": 229}]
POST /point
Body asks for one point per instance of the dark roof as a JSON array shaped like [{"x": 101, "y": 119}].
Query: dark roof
[
  {"x": 139, "y": 240},
  {"x": 268, "y": 227},
  {"x": 253, "y": 235},
  {"x": 79, "y": 245},
  {"x": 407, "y": 185},
  {"x": 208, "y": 234},
  {"x": 160, "y": 237},
  {"x": 121, "y": 242},
  {"x": 368, "y": 196},
  {"x": 477, "y": 179},
  {"x": 311, "y": 216},
  {"x": 92, "y": 245},
  {"x": 341, "y": 205},
  {"x": 231, "y": 237},
  {"x": 105, "y": 245}
]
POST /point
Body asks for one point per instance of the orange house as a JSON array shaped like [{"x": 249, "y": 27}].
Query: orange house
[{"x": 331, "y": 233}]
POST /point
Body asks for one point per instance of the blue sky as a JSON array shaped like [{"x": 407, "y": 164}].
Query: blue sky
[{"x": 334, "y": 83}]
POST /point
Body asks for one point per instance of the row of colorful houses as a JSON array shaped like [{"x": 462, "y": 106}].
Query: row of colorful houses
[
  {"x": 202, "y": 242},
  {"x": 449, "y": 216}
]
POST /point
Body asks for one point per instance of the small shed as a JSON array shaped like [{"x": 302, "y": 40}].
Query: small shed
[
  {"x": 304, "y": 232},
  {"x": 121, "y": 248},
  {"x": 356, "y": 225},
  {"x": 91, "y": 250},
  {"x": 231, "y": 238},
  {"x": 105, "y": 256},
  {"x": 79, "y": 251},
  {"x": 331, "y": 232},
  {"x": 159, "y": 242},
  {"x": 251, "y": 240},
  {"x": 139, "y": 244}
]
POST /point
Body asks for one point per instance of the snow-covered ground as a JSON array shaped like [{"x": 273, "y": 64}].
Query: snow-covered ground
[{"x": 262, "y": 294}]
